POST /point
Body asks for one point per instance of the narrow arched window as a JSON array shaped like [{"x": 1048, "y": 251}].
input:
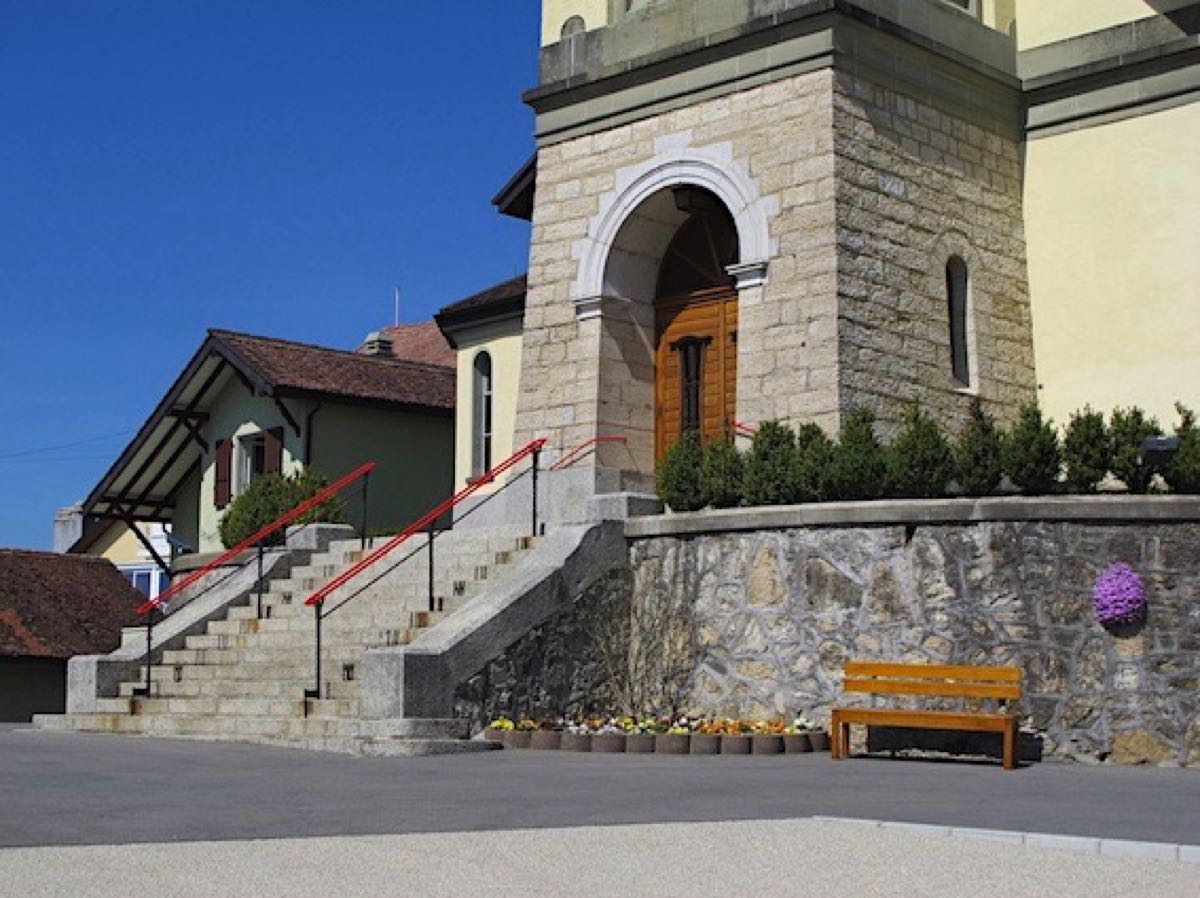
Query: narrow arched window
[
  {"x": 481, "y": 411},
  {"x": 957, "y": 298}
]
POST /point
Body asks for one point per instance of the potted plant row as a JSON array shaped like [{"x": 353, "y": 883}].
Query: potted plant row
[{"x": 665, "y": 735}]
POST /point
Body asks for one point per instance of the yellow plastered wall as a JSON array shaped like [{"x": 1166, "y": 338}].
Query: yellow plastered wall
[
  {"x": 1112, "y": 222},
  {"x": 119, "y": 545},
  {"x": 503, "y": 341},
  {"x": 1046, "y": 21},
  {"x": 1000, "y": 14},
  {"x": 556, "y": 12}
]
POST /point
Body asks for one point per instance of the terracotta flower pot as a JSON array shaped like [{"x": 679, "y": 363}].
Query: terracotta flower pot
[
  {"x": 491, "y": 734},
  {"x": 576, "y": 742},
  {"x": 767, "y": 744},
  {"x": 608, "y": 743},
  {"x": 735, "y": 745},
  {"x": 705, "y": 744},
  {"x": 671, "y": 744},
  {"x": 546, "y": 740},
  {"x": 820, "y": 741},
  {"x": 517, "y": 739},
  {"x": 639, "y": 743},
  {"x": 797, "y": 743}
]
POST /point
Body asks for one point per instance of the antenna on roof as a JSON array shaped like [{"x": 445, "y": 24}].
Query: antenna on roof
[{"x": 396, "y": 318}]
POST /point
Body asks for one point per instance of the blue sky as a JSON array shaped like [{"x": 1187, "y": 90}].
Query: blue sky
[{"x": 271, "y": 166}]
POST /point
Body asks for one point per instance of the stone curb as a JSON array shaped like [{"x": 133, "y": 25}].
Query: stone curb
[{"x": 1119, "y": 848}]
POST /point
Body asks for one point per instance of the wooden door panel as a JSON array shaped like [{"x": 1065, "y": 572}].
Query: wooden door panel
[{"x": 710, "y": 318}]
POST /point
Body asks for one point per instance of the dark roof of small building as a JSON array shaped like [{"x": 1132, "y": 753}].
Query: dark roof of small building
[
  {"x": 423, "y": 342},
  {"x": 56, "y": 606},
  {"x": 505, "y": 298},
  {"x": 302, "y": 368},
  {"x": 516, "y": 197}
]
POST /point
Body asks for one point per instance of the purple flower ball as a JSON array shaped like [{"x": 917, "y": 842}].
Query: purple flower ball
[{"x": 1119, "y": 596}]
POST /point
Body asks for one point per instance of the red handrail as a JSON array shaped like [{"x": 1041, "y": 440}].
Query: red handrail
[
  {"x": 744, "y": 430},
  {"x": 587, "y": 444},
  {"x": 318, "y": 597},
  {"x": 282, "y": 521}
]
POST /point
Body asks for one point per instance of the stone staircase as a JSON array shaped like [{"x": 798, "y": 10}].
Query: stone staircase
[{"x": 244, "y": 678}]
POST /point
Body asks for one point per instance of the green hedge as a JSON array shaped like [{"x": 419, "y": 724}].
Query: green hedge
[
  {"x": 783, "y": 466},
  {"x": 270, "y": 496}
]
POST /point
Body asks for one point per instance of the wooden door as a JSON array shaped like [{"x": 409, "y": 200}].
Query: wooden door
[{"x": 695, "y": 366}]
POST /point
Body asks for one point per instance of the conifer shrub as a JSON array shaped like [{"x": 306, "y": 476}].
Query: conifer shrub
[
  {"x": 1031, "y": 453},
  {"x": 270, "y": 496},
  {"x": 857, "y": 469},
  {"x": 811, "y": 470},
  {"x": 1183, "y": 471},
  {"x": 1127, "y": 429},
  {"x": 769, "y": 465},
  {"x": 678, "y": 474},
  {"x": 919, "y": 460},
  {"x": 1087, "y": 454},
  {"x": 977, "y": 453},
  {"x": 721, "y": 473}
]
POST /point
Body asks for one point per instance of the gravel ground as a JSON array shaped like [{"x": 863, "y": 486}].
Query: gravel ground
[{"x": 780, "y": 857}]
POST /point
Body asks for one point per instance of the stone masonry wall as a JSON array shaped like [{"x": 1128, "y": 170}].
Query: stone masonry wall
[
  {"x": 779, "y": 136},
  {"x": 778, "y": 612},
  {"x": 917, "y": 184}
]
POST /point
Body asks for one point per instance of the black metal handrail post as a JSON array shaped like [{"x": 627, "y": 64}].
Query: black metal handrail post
[
  {"x": 432, "y": 534},
  {"x": 145, "y": 689},
  {"x": 362, "y": 521},
  {"x": 259, "y": 585},
  {"x": 537, "y": 454},
  {"x": 315, "y": 692}
]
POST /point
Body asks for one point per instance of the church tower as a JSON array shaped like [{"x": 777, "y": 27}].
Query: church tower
[{"x": 770, "y": 209}]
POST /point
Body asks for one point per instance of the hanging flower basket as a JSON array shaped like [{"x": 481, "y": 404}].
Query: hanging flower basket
[{"x": 1119, "y": 597}]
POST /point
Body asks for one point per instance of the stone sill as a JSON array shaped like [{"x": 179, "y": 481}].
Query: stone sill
[{"x": 900, "y": 512}]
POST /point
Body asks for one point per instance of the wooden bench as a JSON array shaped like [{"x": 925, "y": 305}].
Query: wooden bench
[{"x": 1002, "y": 684}]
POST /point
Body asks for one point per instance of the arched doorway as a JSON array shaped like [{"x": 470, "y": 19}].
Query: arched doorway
[{"x": 695, "y": 324}]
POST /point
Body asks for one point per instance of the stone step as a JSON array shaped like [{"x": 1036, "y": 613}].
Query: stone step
[
  {"x": 229, "y": 688},
  {"x": 239, "y": 706}
]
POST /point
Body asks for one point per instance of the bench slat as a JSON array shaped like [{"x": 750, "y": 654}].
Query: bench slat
[
  {"x": 934, "y": 687},
  {"x": 926, "y": 720},
  {"x": 957, "y": 672}
]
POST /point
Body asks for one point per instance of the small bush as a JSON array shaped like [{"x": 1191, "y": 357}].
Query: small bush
[
  {"x": 678, "y": 474},
  {"x": 919, "y": 461},
  {"x": 1183, "y": 471},
  {"x": 769, "y": 465},
  {"x": 1031, "y": 453},
  {"x": 857, "y": 469},
  {"x": 1127, "y": 429},
  {"x": 721, "y": 474},
  {"x": 270, "y": 496},
  {"x": 1087, "y": 455},
  {"x": 977, "y": 453},
  {"x": 811, "y": 469}
]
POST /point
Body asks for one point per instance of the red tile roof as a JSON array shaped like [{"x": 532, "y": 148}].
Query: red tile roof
[
  {"x": 56, "y": 606},
  {"x": 422, "y": 343},
  {"x": 303, "y": 368}
]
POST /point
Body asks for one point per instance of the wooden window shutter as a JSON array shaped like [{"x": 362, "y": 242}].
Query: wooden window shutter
[
  {"x": 223, "y": 483},
  {"x": 273, "y": 457}
]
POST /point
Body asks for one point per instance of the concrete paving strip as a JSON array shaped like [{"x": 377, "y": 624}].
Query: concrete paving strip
[
  {"x": 1126, "y": 848},
  {"x": 783, "y": 857}
]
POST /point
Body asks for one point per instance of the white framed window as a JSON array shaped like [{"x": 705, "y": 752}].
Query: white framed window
[
  {"x": 149, "y": 580},
  {"x": 481, "y": 414}
]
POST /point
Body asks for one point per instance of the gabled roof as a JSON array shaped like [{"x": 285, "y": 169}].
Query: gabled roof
[
  {"x": 171, "y": 442},
  {"x": 56, "y": 606},
  {"x": 502, "y": 300},
  {"x": 422, "y": 343}
]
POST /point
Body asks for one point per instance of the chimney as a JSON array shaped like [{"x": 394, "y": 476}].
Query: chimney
[
  {"x": 68, "y": 527},
  {"x": 378, "y": 343}
]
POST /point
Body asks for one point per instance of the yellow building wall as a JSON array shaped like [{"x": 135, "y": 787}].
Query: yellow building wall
[
  {"x": 503, "y": 341},
  {"x": 1113, "y": 227},
  {"x": 119, "y": 545},
  {"x": 556, "y": 12},
  {"x": 235, "y": 413},
  {"x": 1046, "y": 21}
]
